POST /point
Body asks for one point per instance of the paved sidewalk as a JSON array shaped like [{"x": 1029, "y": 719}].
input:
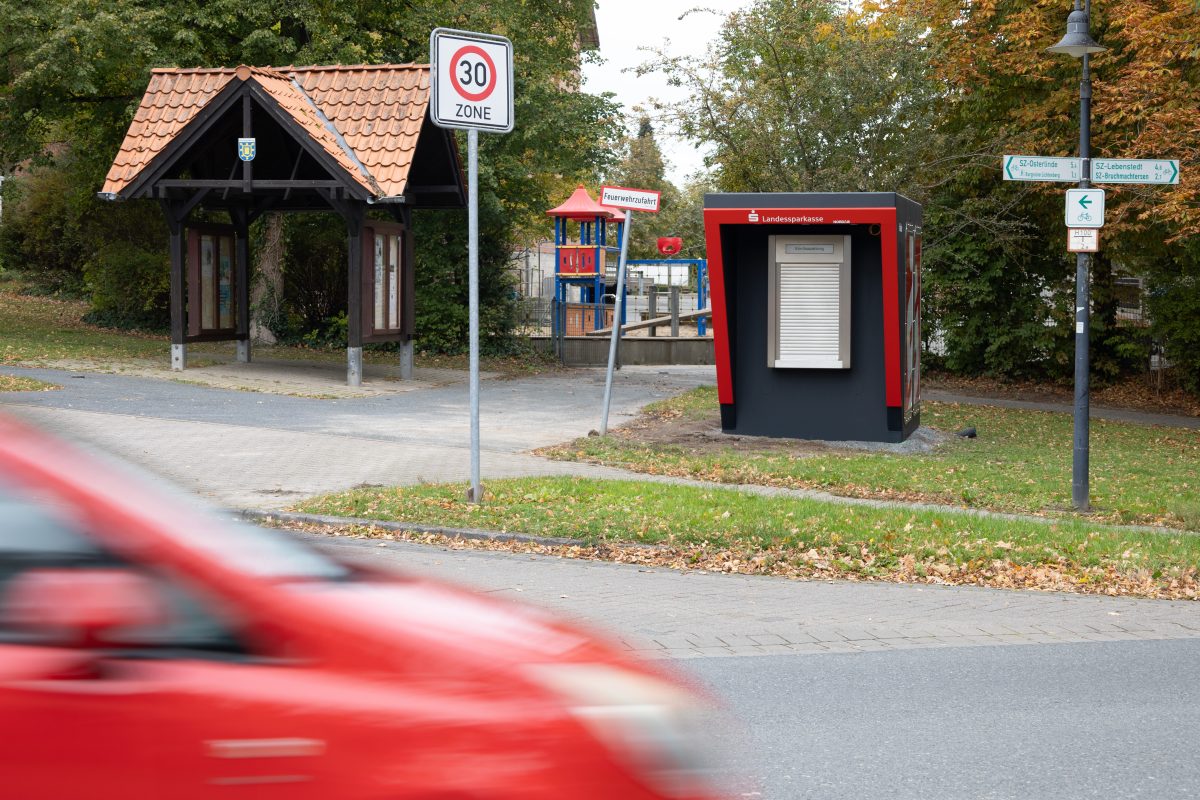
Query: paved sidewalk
[{"x": 661, "y": 613}]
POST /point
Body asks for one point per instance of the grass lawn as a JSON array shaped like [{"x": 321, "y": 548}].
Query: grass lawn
[
  {"x": 1020, "y": 462},
  {"x": 15, "y": 383},
  {"x": 36, "y": 330},
  {"x": 729, "y": 530}
]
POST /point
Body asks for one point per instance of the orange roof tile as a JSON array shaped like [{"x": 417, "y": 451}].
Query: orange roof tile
[{"x": 367, "y": 118}]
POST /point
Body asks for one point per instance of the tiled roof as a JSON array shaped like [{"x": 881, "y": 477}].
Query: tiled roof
[{"x": 367, "y": 118}]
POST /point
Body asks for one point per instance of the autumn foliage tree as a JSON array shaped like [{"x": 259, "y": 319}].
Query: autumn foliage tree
[{"x": 1010, "y": 96}]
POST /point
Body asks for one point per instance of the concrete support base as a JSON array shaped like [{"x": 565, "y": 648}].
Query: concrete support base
[
  {"x": 406, "y": 360},
  {"x": 243, "y": 351},
  {"x": 178, "y": 357},
  {"x": 354, "y": 366}
]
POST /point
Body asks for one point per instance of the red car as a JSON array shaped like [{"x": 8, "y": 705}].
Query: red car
[{"x": 150, "y": 650}]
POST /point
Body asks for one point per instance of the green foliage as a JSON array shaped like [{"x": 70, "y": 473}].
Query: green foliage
[
  {"x": 40, "y": 235},
  {"x": 442, "y": 318},
  {"x": 74, "y": 71}
]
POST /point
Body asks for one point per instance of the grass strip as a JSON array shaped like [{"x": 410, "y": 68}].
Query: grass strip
[
  {"x": 36, "y": 329},
  {"x": 16, "y": 383},
  {"x": 1020, "y": 462},
  {"x": 730, "y": 531}
]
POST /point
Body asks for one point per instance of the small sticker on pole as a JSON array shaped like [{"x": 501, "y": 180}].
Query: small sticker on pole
[
  {"x": 1083, "y": 240},
  {"x": 635, "y": 199}
]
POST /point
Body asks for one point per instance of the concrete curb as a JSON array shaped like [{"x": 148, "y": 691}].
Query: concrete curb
[{"x": 462, "y": 533}]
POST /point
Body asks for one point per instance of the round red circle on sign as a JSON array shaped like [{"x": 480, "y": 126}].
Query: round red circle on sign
[{"x": 471, "y": 74}]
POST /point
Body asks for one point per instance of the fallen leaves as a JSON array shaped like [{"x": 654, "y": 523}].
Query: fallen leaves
[{"x": 1062, "y": 575}]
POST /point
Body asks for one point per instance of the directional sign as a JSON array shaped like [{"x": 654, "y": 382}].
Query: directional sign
[
  {"x": 1085, "y": 208},
  {"x": 471, "y": 80},
  {"x": 1041, "y": 168},
  {"x": 637, "y": 199},
  {"x": 1083, "y": 240},
  {"x": 1134, "y": 170}
]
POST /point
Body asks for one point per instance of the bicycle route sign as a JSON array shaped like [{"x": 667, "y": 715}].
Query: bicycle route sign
[
  {"x": 471, "y": 80},
  {"x": 1085, "y": 208}
]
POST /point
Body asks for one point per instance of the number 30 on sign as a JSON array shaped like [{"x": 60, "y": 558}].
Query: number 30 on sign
[{"x": 471, "y": 80}]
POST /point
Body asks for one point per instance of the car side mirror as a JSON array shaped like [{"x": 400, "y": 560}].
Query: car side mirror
[{"x": 80, "y": 607}]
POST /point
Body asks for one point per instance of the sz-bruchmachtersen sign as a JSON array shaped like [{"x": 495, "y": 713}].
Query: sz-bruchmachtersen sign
[
  {"x": 636, "y": 199},
  {"x": 471, "y": 80}
]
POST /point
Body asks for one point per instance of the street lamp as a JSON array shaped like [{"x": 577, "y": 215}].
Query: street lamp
[{"x": 1078, "y": 43}]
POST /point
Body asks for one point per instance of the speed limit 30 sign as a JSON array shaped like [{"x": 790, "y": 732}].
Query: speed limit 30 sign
[{"x": 471, "y": 80}]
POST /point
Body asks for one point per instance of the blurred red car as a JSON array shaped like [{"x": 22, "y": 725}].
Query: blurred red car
[{"x": 150, "y": 650}]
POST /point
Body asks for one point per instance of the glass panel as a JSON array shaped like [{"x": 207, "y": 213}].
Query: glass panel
[
  {"x": 394, "y": 284},
  {"x": 225, "y": 287},
  {"x": 207, "y": 260},
  {"x": 380, "y": 288}
]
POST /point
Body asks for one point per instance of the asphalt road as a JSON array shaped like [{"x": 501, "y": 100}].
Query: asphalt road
[
  {"x": 875, "y": 706},
  {"x": 1090, "y": 720}
]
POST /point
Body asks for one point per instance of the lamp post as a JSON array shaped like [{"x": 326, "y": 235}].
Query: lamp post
[{"x": 1078, "y": 43}]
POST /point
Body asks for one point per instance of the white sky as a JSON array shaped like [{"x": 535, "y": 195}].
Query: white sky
[{"x": 626, "y": 25}]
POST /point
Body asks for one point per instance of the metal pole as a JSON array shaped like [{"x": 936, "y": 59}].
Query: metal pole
[
  {"x": 1080, "y": 450},
  {"x": 476, "y": 494},
  {"x": 616, "y": 329}
]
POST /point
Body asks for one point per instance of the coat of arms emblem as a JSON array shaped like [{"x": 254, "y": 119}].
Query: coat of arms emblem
[{"x": 246, "y": 149}]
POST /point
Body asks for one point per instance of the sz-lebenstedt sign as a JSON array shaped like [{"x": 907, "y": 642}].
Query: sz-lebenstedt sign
[
  {"x": 471, "y": 81},
  {"x": 1135, "y": 170}
]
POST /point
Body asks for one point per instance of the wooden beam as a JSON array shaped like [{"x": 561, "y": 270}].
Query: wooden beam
[
  {"x": 208, "y": 183},
  {"x": 647, "y": 323},
  {"x": 247, "y": 132}
]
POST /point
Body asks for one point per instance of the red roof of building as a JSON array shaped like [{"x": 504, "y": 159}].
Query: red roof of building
[
  {"x": 580, "y": 205},
  {"x": 367, "y": 117}
]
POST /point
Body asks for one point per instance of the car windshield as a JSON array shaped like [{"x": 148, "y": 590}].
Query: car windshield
[{"x": 36, "y": 527}]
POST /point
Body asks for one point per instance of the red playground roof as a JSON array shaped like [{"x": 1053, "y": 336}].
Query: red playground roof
[{"x": 580, "y": 205}]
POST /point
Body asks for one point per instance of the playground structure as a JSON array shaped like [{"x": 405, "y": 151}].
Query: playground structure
[{"x": 585, "y": 270}]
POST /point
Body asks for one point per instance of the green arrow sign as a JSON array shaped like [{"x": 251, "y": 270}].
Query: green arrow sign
[{"x": 1085, "y": 201}]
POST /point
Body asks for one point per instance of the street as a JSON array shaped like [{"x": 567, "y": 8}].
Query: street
[{"x": 833, "y": 689}]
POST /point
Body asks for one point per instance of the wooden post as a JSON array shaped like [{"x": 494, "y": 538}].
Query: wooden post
[
  {"x": 241, "y": 225},
  {"x": 675, "y": 311},
  {"x": 653, "y": 312},
  {"x": 178, "y": 312},
  {"x": 354, "y": 298}
]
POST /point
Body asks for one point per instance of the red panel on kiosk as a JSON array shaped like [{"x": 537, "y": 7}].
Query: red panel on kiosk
[{"x": 714, "y": 218}]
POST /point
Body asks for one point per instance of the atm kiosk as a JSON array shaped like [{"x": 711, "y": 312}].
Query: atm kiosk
[{"x": 816, "y": 302}]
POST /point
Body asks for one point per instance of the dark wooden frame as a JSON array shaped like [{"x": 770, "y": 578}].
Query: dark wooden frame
[
  {"x": 404, "y": 326},
  {"x": 195, "y": 310}
]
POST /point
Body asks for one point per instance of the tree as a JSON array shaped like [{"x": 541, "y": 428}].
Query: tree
[
  {"x": 642, "y": 167},
  {"x": 1009, "y": 96},
  {"x": 73, "y": 72}
]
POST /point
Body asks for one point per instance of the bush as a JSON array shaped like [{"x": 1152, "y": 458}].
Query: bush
[
  {"x": 41, "y": 235},
  {"x": 1174, "y": 306}
]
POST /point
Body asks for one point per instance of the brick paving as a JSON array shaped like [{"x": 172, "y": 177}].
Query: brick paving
[{"x": 661, "y": 613}]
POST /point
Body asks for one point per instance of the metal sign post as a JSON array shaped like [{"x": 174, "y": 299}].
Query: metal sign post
[
  {"x": 631, "y": 200},
  {"x": 471, "y": 88},
  {"x": 1084, "y": 218}
]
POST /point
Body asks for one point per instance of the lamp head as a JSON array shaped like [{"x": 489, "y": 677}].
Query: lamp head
[{"x": 1078, "y": 42}]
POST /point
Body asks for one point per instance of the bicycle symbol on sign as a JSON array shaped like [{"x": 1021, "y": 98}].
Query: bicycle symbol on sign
[{"x": 1084, "y": 216}]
